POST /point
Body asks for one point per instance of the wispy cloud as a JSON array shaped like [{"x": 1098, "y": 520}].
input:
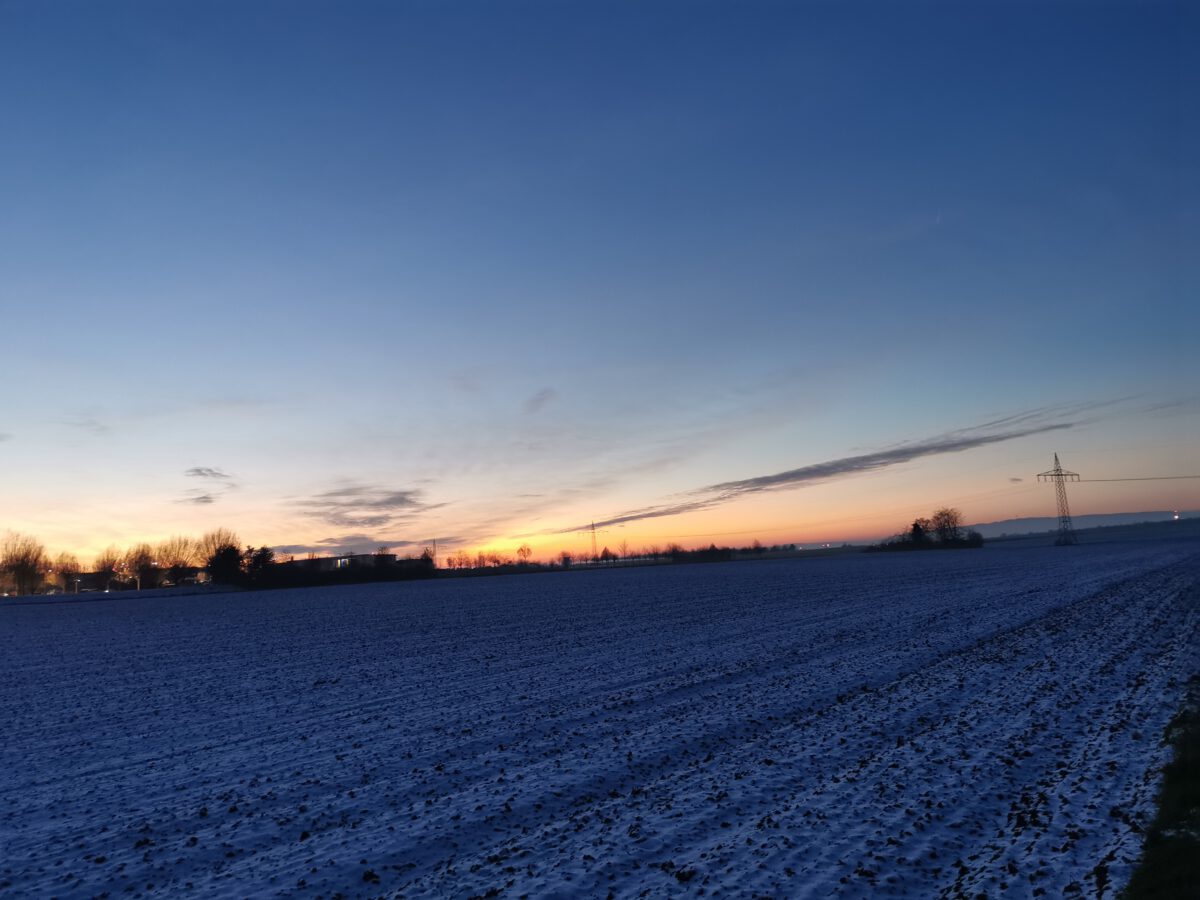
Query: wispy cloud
[
  {"x": 221, "y": 484},
  {"x": 208, "y": 472},
  {"x": 958, "y": 441},
  {"x": 538, "y": 401},
  {"x": 5, "y": 436},
  {"x": 91, "y": 425},
  {"x": 199, "y": 498},
  {"x": 1174, "y": 406},
  {"x": 355, "y": 505}
]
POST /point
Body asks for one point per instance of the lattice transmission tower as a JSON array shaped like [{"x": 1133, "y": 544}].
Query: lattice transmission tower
[{"x": 1060, "y": 477}]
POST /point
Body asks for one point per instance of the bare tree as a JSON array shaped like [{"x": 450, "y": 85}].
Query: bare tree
[
  {"x": 107, "y": 564},
  {"x": 178, "y": 554},
  {"x": 216, "y": 540},
  {"x": 141, "y": 565},
  {"x": 24, "y": 558},
  {"x": 524, "y": 552},
  {"x": 947, "y": 522},
  {"x": 66, "y": 569},
  {"x": 623, "y": 548}
]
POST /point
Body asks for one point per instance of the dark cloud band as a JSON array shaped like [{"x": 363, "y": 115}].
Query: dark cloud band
[{"x": 844, "y": 467}]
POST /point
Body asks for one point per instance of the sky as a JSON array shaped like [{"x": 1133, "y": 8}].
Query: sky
[{"x": 343, "y": 275}]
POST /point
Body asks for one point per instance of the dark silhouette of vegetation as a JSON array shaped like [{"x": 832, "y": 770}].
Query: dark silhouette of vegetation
[
  {"x": 942, "y": 531},
  {"x": 23, "y": 559},
  {"x": 178, "y": 556},
  {"x": 66, "y": 571},
  {"x": 225, "y": 565},
  {"x": 947, "y": 523},
  {"x": 1170, "y": 864},
  {"x": 215, "y": 540},
  {"x": 105, "y": 567},
  {"x": 141, "y": 565},
  {"x": 255, "y": 563}
]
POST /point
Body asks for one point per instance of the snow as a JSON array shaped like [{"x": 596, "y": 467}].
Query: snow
[{"x": 940, "y": 724}]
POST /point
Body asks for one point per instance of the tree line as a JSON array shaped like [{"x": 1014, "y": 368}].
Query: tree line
[
  {"x": 26, "y": 567},
  {"x": 463, "y": 561},
  {"x": 217, "y": 556}
]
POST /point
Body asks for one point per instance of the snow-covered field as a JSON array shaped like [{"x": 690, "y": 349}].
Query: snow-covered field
[{"x": 942, "y": 724}]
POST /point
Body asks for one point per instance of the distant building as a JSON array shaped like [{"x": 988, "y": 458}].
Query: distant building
[{"x": 349, "y": 561}]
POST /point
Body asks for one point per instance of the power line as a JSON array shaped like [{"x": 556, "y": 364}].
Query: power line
[{"x": 1149, "y": 478}]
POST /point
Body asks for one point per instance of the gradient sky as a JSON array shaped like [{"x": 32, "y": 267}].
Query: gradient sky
[{"x": 341, "y": 275}]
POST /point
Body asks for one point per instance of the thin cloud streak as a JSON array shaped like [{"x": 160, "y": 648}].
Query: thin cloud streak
[
  {"x": 847, "y": 466},
  {"x": 199, "y": 498},
  {"x": 871, "y": 462},
  {"x": 207, "y": 472}
]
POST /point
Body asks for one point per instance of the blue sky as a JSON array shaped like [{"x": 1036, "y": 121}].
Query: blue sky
[{"x": 377, "y": 273}]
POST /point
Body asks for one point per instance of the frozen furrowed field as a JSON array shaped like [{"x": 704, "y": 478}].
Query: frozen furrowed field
[{"x": 925, "y": 725}]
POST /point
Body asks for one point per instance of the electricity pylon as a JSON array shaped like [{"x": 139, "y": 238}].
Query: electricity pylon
[
  {"x": 1060, "y": 477},
  {"x": 594, "y": 531}
]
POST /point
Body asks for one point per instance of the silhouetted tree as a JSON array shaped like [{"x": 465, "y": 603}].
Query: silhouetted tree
[
  {"x": 523, "y": 553},
  {"x": 256, "y": 563},
  {"x": 947, "y": 522},
  {"x": 225, "y": 565},
  {"x": 107, "y": 564},
  {"x": 946, "y": 525},
  {"x": 140, "y": 565},
  {"x": 920, "y": 531},
  {"x": 178, "y": 555},
  {"x": 217, "y": 539},
  {"x": 23, "y": 558},
  {"x": 66, "y": 570}
]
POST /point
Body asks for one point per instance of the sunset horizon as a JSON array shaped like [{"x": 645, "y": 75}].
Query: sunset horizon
[{"x": 600, "y": 448}]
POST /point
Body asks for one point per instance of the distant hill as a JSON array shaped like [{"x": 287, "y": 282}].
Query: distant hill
[{"x": 1040, "y": 524}]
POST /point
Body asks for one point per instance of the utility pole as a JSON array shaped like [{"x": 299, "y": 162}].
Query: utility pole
[{"x": 1060, "y": 477}]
